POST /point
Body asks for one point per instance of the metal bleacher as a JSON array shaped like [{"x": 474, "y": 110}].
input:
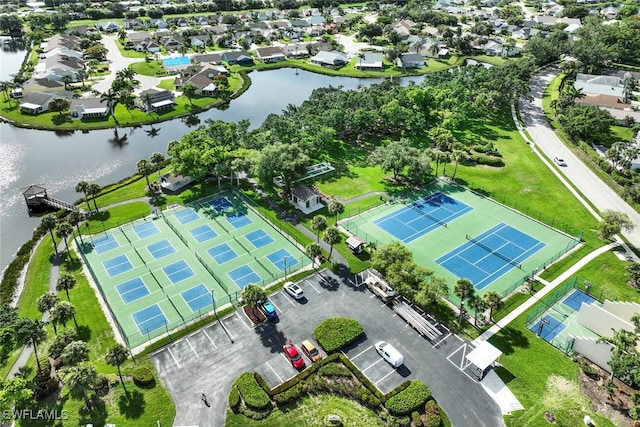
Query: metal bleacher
[{"x": 417, "y": 321}]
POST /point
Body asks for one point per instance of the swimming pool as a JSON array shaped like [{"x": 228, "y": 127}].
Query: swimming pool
[{"x": 176, "y": 61}]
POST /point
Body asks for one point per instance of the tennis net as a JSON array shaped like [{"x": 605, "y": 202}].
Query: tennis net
[
  {"x": 494, "y": 252},
  {"x": 415, "y": 207}
]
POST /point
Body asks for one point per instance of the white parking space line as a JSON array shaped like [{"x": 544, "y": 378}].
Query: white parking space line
[
  {"x": 373, "y": 364},
  {"x": 174, "y": 358},
  {"x": 376, "y": 383},
  {"x": 275, "y": 306},
  {"x": 207, "y": 335},
  {"x": 243, "y": 322},
  {"x": 363, "y": 351},
  {"x": 443, "y": 338},
  {"x": 193, "y": 349},
  {"x": 288, "y": 298},
  {"x": 310, "y": 284},
  {"x": 274, "y": 371},
  {"x": 227, "y": 329}
]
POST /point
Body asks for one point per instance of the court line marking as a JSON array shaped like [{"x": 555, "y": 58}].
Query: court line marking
[
  {"x": 372, "y": 365},
  {"x": 310, "y": 284},
  {"x": 384, "y": 377},
  {"x": 363, "y": 351},
  {"x": 243, "y": 322},
  {"x": 207, "y": 335},
  {"x": 274, "y": 371},
  {"x": 192, "y": 349},
  {"x": 174, "y": 358}
]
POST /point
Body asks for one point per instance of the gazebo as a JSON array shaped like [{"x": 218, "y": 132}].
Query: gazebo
[{"x": 482, "y": 358}]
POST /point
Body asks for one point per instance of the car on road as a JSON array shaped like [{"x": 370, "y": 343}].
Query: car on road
[
  {"x": 269, "y": 310},
  {"x": 310, "y": 351},
  {"x": 389, "y": 353},
  {"x": 559, "y": 161},
  {"x": 293, "y": 355},
  {"x": 294, "y": 290}
]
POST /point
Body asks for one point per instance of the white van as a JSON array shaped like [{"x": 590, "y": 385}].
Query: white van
[{"x": 390, "y": 354}]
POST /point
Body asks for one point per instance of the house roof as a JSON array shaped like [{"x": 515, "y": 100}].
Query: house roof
[
  {"x": 303, "y": 192},
  {"x": 371, "y": 59},
  {"x": 236, "y": 55},
  {"x": 41, "y": 98},
  {"x": 599, "y": 85},
  {"x": 411, "y": 57},
  {"x": 329, "y": 57},
  {"x": 88, "y": 104},
  {"x": 265, "y": 52}
]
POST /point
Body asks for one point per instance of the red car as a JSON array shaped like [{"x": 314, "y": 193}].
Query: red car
[{"x": 293, "y": 355}]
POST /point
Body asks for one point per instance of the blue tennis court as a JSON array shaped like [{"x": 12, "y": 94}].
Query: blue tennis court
[
  {"x": 220, "y": 204},
  {"x": 132, "y": 290},
  {"x": 149, "y": 319},
  {"x": 203, "y": 233},
  {"x": 186, "y": 216},
  {"x": 422, "y": 216},
  {"x": 198, "y": 298},
  {"x": 575, "y": 300},
  {"x": 178, "y": 271},
  {"x": 547, "y": 328},
  {"x": 244, "y": 276},
  {"x": 161, "y": 249},
  {"x": 145, "y": 230},
  {"x": 105, "y": 244},
  {"x": 117, "y": 265},
  {"x": 490, "y": 255},
  {"x": 282, "y": 259},
  {"x": 222, "y": 253},
  {"x": 259, "y": 238},
  {"x": 238, "y": 219}
]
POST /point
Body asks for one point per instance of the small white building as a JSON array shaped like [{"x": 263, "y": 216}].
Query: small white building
[
  {"x": 172, "y": 182},
  {"x": 305, "y": 199}
]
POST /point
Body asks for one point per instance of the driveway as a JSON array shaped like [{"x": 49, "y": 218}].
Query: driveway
[
  {"x": 214, "y": 356},
  {"x": 592, "y": 187}
]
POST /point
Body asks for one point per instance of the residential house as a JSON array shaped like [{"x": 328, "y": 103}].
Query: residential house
[
  {"x": 372, "y": 61},
  {"x": 171, "y": 182},
  {"x": 410, "y": 60},
  {"x": 316, "y": 20},
  {"x": 171, "y": 42},
  {"x": 295, "y": 51},
  {"x": 299, "y": 23},
  {"x": 201, "y": 76},
  {"x": 333, "y": 59},
  {"x": 79, "y": 30},
  {"x": 108, "y": 27},
  {"x": 35, "y": 84},
  {"x": 84, "y": 108},
  {"x": 239, "y": 57},
  {"x": 200, "y": 41},
  {"x": 59, "y": 66},
  {"x": 211, "y": 58},
  {"x": 160, "y": 24},
  {"x": 305, "y": 199},
  {"x": 602, "y": 91},
  {"x": 153, "y": 47},
  {"x": 64, "y": 41},
  {"x": 62, "y": 51},
  {"x": 152, "y": 100},
  {"x": 132, "y": 24},
  {"x": 270, "y": 54},
  {"x": 38, "y": 102}
]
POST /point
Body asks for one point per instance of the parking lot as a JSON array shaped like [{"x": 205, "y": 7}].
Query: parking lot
[{"x": 214, "y": 356}]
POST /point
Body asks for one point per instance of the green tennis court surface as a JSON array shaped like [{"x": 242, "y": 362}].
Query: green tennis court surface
[
  {"x": 158, "y": 273},
  {"x": 461, "y": 234}
]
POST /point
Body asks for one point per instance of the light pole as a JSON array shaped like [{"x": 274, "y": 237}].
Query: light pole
[{"x": 285, "y": 266}]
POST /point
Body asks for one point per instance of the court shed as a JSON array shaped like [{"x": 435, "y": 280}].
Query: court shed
[
  {"x": 356, "y": 244},
  {"x": 482, "y": 358}
]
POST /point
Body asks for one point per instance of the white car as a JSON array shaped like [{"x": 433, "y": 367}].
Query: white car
[
  {"x": 294, "y": 290},
  {"x": 559, "y": 161}
]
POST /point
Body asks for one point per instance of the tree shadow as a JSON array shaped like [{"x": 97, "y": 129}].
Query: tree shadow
[
  {"x": 132, "y": 405},
  {"x": 97, "y": 415},
  {"x": 271, "y": 337},
  {"x": 84, "y": 333},
  {"x": 505, "y": 375},
  {"x": 508, "y": 339}
]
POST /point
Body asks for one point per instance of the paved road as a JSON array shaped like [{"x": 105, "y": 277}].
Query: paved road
[{"x": 592, "y": 187}]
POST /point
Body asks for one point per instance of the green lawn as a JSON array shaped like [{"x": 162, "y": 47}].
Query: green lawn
[
  {"x": 116, "y": 216},
  {"x": 311, "y": 412},
  {"x": 37, "y": 276}
]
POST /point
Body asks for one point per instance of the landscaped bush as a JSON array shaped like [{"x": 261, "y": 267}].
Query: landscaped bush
[
  {"x": 142, "y": 376},
  {"x": 367, "y": 398},
  {"x": 252, "y": 394},
  {"x": 482, "y": 159},
  {"x": 432, "y": 420},
  {"x": 337, "y": 332},
  {"x": 290, "y": 395},
  {"x": 410, "y": 399},
  {"x": 43, "y": 384},
  {"x": 234, "y": 399},
  {"x": 334, "y": 370},
  {"x": 431, "y": 407},
  {"x": 415, "y": 419},
  {"x": 361, "y": 377}
]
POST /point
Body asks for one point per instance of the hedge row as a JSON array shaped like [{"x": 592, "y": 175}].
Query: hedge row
[
  {"x": 234, "y": 399},
  {"x": 482, "y": 159},
  {"x": 410, "y": 399},
  {"x": 334, "y": 370},
  {"x": 12, "y": 273},
  {"x": 251, "y": 392},
  {"x": 337, "y": 332}
]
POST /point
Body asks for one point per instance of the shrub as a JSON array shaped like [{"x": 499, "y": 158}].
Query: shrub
[
  {"x": 43, "y": 384},
  {"x": 397, "y": 390},
  {"x": 398, "y": 421},
  {"x": 337, "y": 332},
  {"x": 102, "y": 386},
  {"x": 367, "y": 398},
  {"x": 234, "y": 399},
  {"x": 410, "y": 399},
  {"x": 482, "y": 159},
  {"x": 415, "y": 419},
  {"x": 252, "y": 394},
  {"x": 290, "y": 395},
  {"x": 432, "y": 420},
  {"x": 432, "y": 407},
  {"x": 334, "y": 370},
  {"x": 142, "y": 376}
]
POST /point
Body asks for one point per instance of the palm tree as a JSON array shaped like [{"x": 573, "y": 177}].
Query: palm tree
[
  {"x": 82, "y": 75},
  {"x": 319, "y": 224},
  {"x": 79, "y": 379},
  {"x": 27, "y": 331},
  {"x": 144, "y": 167},
  {"x": 75, "y": 353},
  {"x": 189, "y": 90},
  {"x": 361, "y": 57},
  {"x": 63, "y": 230},
  {"x": 331, "y": 237},
  {"x": 122, "y": 34},
  {"x": 147, "y": 98},
  {"x": 66, "y": 79},
  {"x": 335, "y": 208},
  {"x": 62, "y": 312},
  {"x": 478, "y": 304},
  {"x": 74, "y": 218},
  {"x": 182, "y": 49},
  {"x": 49, "y": 223},
  {"x": 93, "y": 190},
  {"x": 464, "y": 290},
  {"x": 4, "y": 88},
  {"x": 493, "y": 300},
  {"x": 254, "y": 296},
  {"x": 629, "y": 84},
  {"x": 156, "y": 160},
  {"x": 456, "y": 156},
  {"x": 111, "y": 98},
  {"x": 46, "y": 302},
  {"x": 445, "y": 157},
  {"x": 81, "y": 187},
  {"x": 66, "y": 282},
  {"x": 313, "y": 250},
  {"x": 116, "y": 356}
]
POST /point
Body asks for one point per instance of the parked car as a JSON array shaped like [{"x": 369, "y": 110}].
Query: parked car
[
  {"x": 559, "y": 161},
  {"x": 389, "y": 353},
  {"x": 269, "y": 310},
  {"x": 310, "y": 351},
  {"x": 294, "y": 290},
  {"x": 294, "y": 357}
]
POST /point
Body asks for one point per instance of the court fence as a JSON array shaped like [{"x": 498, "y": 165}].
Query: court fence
[{"x": 548, "y": 301}]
